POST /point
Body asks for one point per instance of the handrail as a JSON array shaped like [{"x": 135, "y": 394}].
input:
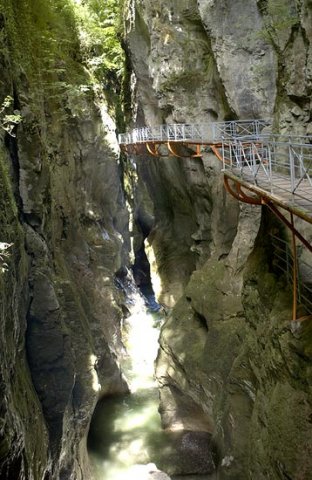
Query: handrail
[
  {"x": 278, "y": 164},
  {"x": 276, "y": 169},
  {"x": 195, "y": 132}
]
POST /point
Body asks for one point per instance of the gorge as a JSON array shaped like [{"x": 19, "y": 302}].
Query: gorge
[{"x": 83, "y": 224}]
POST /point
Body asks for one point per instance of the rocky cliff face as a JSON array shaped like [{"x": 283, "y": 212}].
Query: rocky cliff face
[
  {"x": 227, "y": 345},
  {"x": 63, "y": 240}
]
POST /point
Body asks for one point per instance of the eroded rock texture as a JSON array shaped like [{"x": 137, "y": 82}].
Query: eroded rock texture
[
  {"x": 227, "y": 345},
  {"x": 62, "y": 211}
]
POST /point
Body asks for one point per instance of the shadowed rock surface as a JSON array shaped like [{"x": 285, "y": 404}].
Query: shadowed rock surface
[
  {"x": 63, "y": 210},
  {"x": 227, "y": 344},
  {"x": 231, "y": 369}
]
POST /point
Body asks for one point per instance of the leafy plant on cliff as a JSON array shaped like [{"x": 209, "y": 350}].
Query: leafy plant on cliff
[
  {"x": 11, "y": 233},
  {"x": 99, "y": 33},
  {"x": 41, "y": 42},
  {"x": 4, "y": 255},
  {"x": 278, "y": 17},
  {"x": 9, "y": 120}
]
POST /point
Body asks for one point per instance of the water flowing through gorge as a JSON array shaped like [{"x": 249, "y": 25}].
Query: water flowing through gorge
[
  {"x": 126, "y": 440},
  {"x": 126, "y": 432}
]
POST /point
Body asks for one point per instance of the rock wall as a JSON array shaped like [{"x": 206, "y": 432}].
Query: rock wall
[
  {"x": 227, "y": 345},
  {"x": 63, "y": 240}
]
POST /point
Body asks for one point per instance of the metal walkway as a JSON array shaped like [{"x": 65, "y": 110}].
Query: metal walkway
[
  {"x": 274, "y": 167},
  {"x": 258, "y": 167},
  {"x": 197, "y": 133}
]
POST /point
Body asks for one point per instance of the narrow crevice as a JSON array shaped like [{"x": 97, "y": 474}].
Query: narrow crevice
[
  {"x": 12, "y": 148},
  {"x": 141, "y": 268},
  {"x": 201, "y": 320}
]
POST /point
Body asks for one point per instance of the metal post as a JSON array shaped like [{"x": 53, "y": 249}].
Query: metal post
[
  {"x": 257, "y": 129},
  {"x": 270, "y": 166},
  {"x": 295, "y": 268},
  {"x": 254, "y": 166},
  {"x": 291, "y": 168},
  {"x": 301, "y": 165},
  {"x": 230, "y": 151}
]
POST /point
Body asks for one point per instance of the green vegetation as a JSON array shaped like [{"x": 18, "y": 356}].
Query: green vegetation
[
  {"x": 57, "y": 56},
  {"x": 99, "y": 29},
  {"x": 8, "y": 121},
  {"x": 11, "y": 234},
  {"x": 279, "y": 16},
  {"x": 67, "y": 49},
  {"x": 100, "y": 32}
]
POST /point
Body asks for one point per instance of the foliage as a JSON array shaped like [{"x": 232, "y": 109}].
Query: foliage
[
  {"x": 99, "y": 28},
  {"x": 41, "y": 46},
  {"x": 8, "y": 121},
  {"x": 4, "y": 255},
  {"x": 10, "y": 231},
  {"x": 68, "y": 50},
  {"x": 279, "y": 16}
]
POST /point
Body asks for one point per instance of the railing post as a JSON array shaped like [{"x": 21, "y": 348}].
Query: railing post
[
  {"x": 301, "y": 164},
  {"x": 295, "y": 269},
  {"x": 239, "y": 147},
  {"x": 254, "y": 166},
  {"x": 230, "y": 151},
  {"x": 270, "y": 166},
  {"x": 257, "y": 129},
  {"x": 291, "y": 167}
]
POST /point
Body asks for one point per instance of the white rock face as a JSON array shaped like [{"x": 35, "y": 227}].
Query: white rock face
[{"x": 247, "y": 64}]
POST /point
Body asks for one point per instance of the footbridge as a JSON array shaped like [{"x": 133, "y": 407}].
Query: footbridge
[{"x": 259, "y": 167}]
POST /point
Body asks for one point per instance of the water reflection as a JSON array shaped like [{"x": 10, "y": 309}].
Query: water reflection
[
  {"x": 126, "y": 432},
  {"x": 126, "y": 435}
]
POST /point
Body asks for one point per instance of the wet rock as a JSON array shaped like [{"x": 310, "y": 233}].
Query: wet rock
[{"x": 189, "y": 453}]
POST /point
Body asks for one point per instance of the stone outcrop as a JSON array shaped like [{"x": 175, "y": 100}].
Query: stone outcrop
[
  {"x": 227, "y": 344},
  {"x": 64, "y": 218}
]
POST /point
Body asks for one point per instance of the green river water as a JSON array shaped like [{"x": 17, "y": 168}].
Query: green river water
[{"x": 126, "y": 435}]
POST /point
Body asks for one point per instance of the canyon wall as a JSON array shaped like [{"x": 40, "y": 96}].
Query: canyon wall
[
  {"x": 63, "y": 241},
  {"x": 227, "y": 348},
  {"x": 227, "y": 344}
]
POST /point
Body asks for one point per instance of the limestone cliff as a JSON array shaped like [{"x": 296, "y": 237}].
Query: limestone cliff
[
  {"x": 63, "y": 239},
  {"x": 227, "y": 344}
]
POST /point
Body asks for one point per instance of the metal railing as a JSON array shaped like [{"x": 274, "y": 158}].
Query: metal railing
[
  {"x": 280, "y": 165},
  {"x": 239, "y": 129},
  {"x": 195, "y": 132},
  {"x": 277, "y": 164},
  {"x": 284, "y": 262}
]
